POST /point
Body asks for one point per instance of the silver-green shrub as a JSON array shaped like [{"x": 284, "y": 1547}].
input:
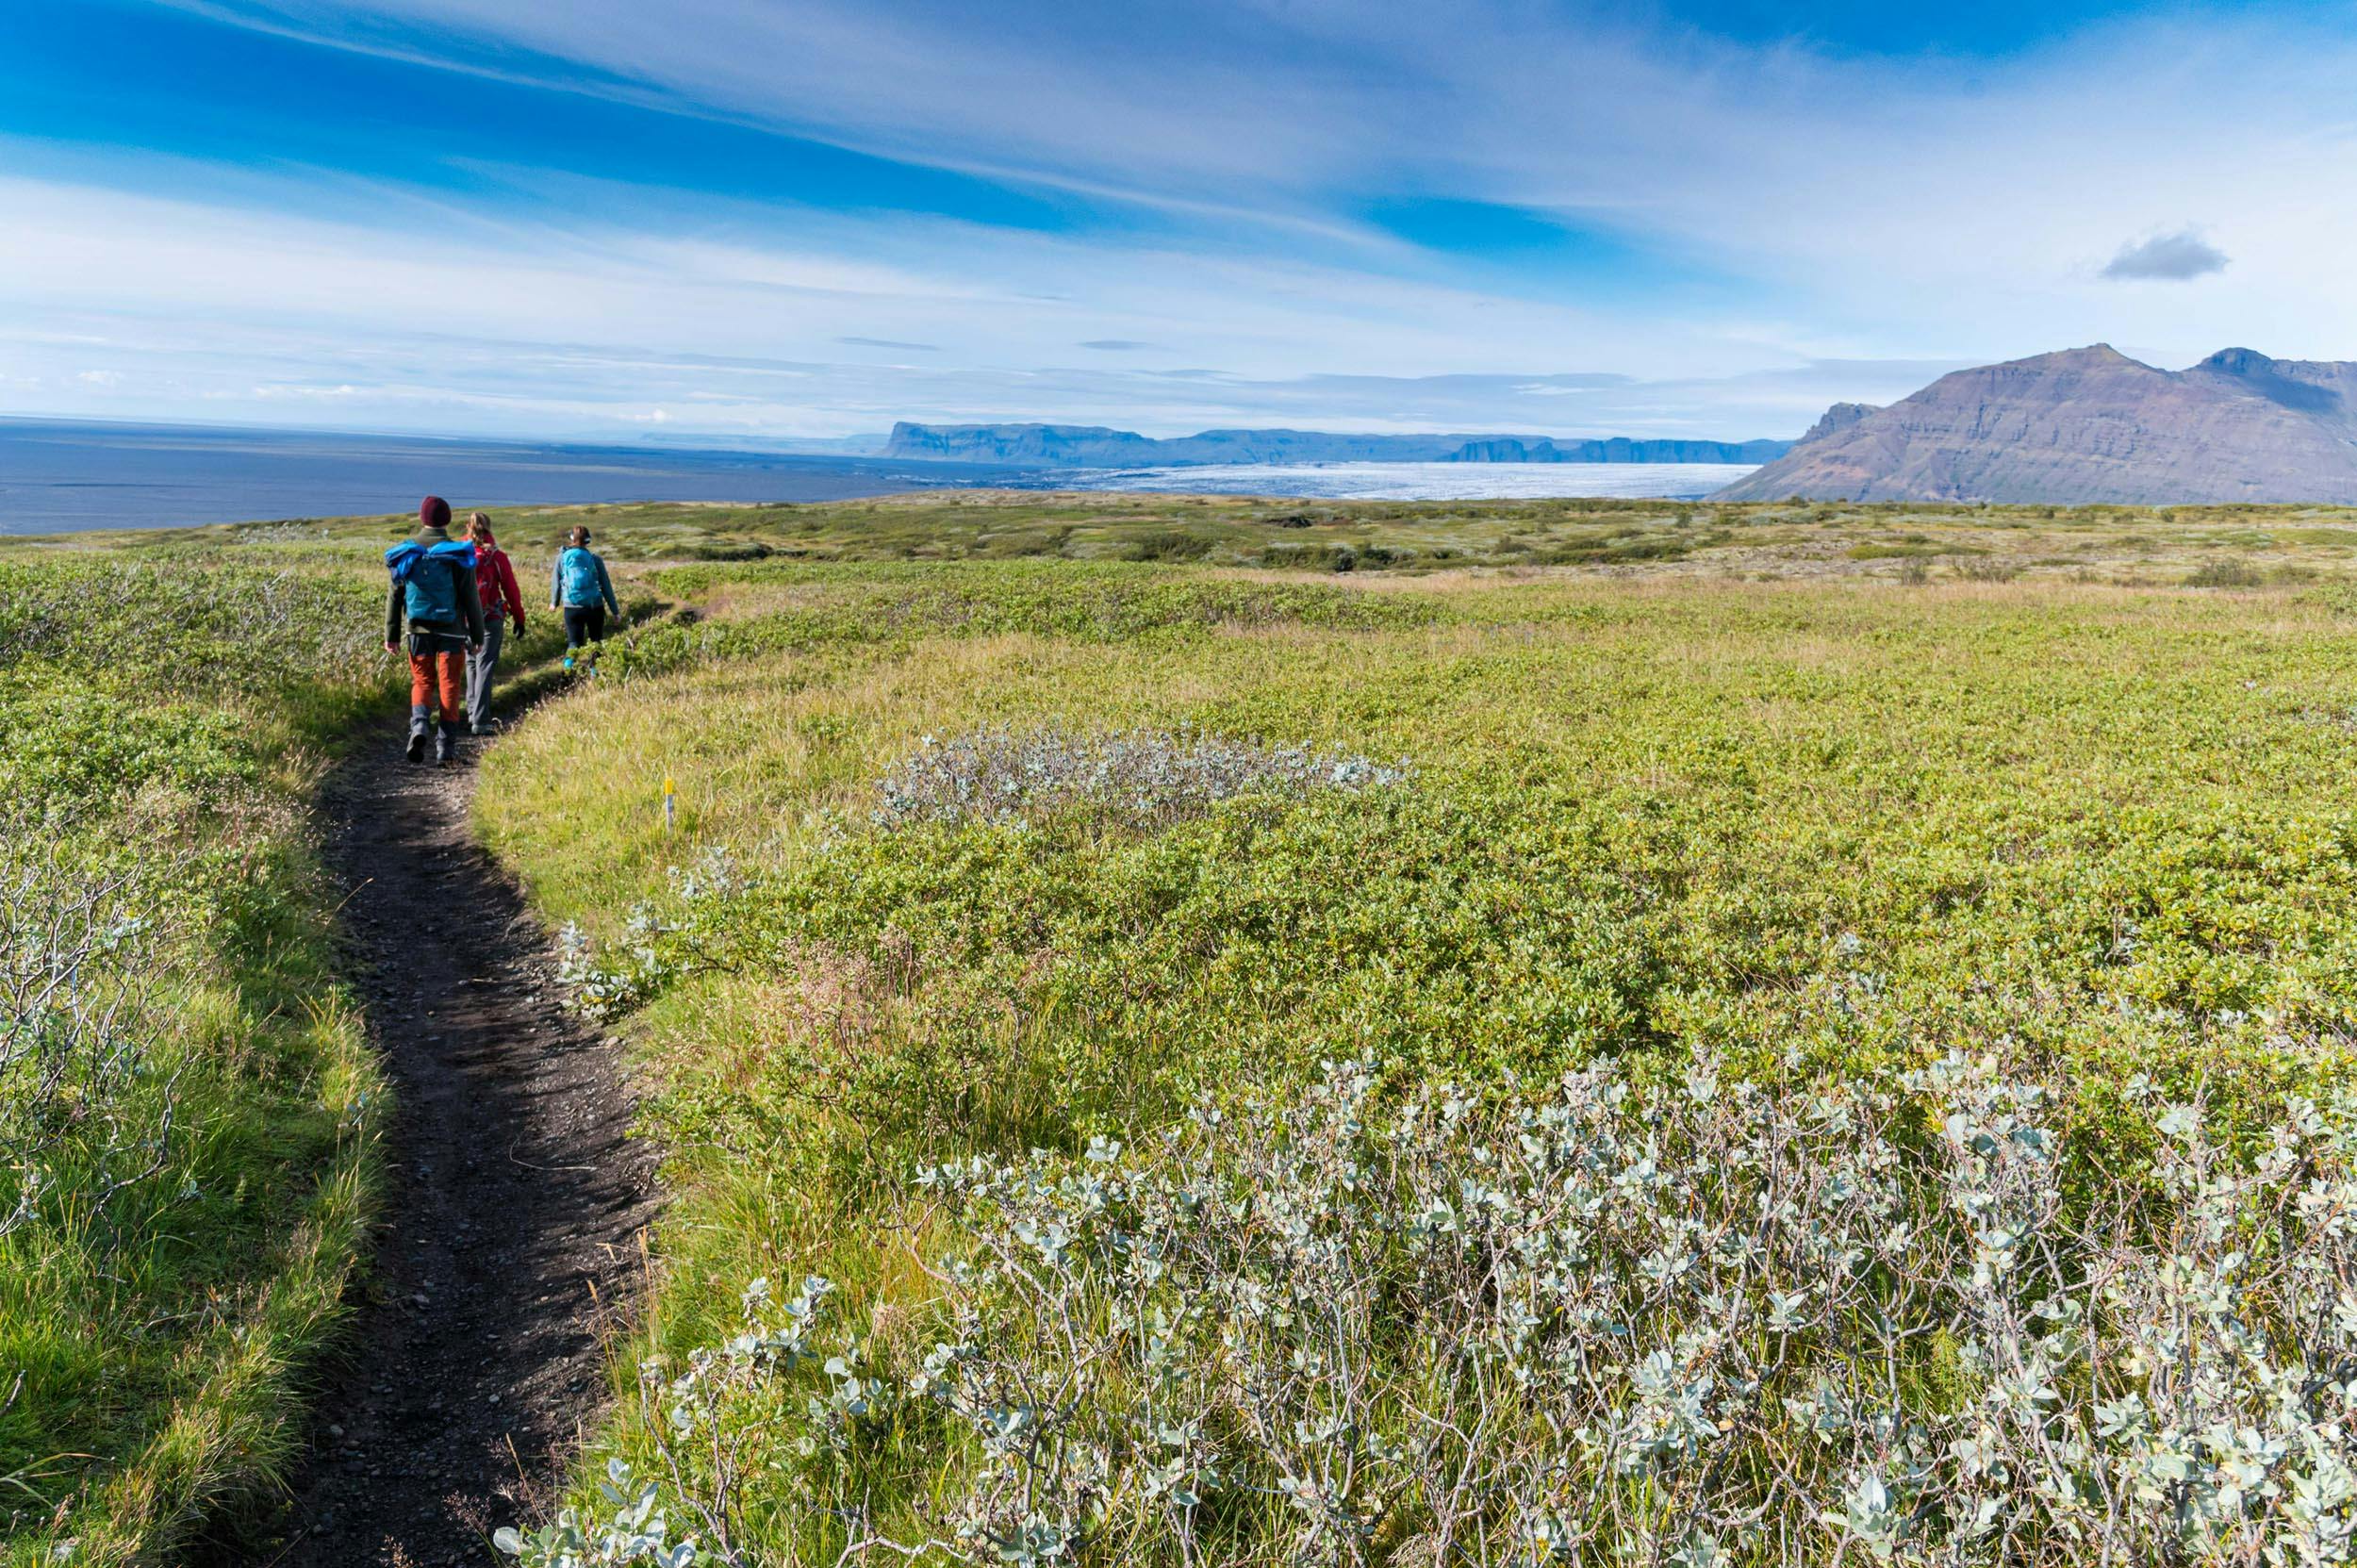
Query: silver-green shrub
[
  {"x": 81, "y": 1083},
  {"x": 1145, "y": 777},
  {"x": 1711, "y": 1325}
]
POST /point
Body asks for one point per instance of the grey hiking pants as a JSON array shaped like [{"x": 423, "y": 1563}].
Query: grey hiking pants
[{"x": 479, "y": 666}]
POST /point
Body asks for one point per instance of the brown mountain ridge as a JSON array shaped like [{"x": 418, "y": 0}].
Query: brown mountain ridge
[{"x": 2089, "y": 425}]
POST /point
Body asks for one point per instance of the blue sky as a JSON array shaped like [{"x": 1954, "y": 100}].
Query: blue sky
[{"x": 752, "y": 220}]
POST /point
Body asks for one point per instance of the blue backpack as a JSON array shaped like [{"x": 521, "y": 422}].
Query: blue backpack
[
  {"x": 430, "y": 576},
  {"x": 577, "y": 569}
]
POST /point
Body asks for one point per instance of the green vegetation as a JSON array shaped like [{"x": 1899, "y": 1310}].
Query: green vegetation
[
  {"x": 1650, "y": 537},
  {"x": 1813, "y": 833},
  {"x": 187, "y": 1103},
  {"x": 1795, "y": 799}
]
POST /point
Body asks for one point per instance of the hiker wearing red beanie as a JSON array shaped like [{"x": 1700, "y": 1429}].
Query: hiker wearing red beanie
[{"x": 434, "y": 589}]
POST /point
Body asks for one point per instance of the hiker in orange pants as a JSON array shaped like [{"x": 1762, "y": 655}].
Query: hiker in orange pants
[{"x": 432, "y": 588}]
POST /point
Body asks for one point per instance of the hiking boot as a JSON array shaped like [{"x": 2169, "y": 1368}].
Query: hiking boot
[
  {"x": 445, "y": 742},
  {"x": 417, "y": 734}
]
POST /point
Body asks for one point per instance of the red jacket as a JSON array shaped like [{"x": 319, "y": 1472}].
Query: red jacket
[{"x": 498, "y": 581}]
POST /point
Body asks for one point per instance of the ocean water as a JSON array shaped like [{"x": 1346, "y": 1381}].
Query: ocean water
[
  {"x": 1417, "y": 480},
  {"x": 59, "y": 477}
]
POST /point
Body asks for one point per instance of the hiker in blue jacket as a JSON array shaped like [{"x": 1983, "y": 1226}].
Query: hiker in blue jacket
[
  {"x": 434, "y": 590},
  {"x": 580, "y": 591}
]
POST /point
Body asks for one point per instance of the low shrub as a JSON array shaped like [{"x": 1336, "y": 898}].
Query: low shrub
[
  {"x": 86, "y": 1103},
  {"x": 1710, "y": 1323},
  {"x": 1093, "y": 601},
  {"x": 2229, "y": 572},
  {"x": 1148, "y": 778}
]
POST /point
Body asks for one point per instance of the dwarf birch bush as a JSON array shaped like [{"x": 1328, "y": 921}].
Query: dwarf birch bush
[{"x": 1710, "y": 1324}]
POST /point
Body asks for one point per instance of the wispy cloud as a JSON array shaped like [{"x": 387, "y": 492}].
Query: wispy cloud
[
  {"x": 2172, "y": 258},
  {"x": 1336, "y": 214}
]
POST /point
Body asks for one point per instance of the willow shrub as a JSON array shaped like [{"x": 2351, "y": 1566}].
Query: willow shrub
[{"x": 1709, "y": 1322}]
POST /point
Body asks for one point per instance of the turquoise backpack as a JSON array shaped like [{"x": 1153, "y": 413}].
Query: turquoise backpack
[
  {"x": 577, "y": 569},
  {"x": 429, "y": 576}
]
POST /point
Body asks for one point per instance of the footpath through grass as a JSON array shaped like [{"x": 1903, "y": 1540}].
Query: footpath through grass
[
  {"x": 1813, "y": 835},
  {"x": 187, "y": 1107}
]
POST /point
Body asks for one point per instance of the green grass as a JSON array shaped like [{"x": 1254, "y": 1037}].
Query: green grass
[
  {"x": 1835, "y": 824},
  {"x": 170, "y": 711},
  {"x": 1359, "y": 536},
  {"x": 1812, "y": 788}
]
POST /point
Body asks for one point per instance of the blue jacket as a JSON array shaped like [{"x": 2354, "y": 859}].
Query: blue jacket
[{"x": 466, "y": 606}]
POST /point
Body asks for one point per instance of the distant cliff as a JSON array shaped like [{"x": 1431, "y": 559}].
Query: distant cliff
[
  {"x": 1098, "y": 447},
  {"x": 2088, "y": 425}
]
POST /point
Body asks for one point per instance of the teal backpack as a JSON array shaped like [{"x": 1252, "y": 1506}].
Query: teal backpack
[
  {"x": 577, "y": 569},
  {"x": 429, "y": 577}
]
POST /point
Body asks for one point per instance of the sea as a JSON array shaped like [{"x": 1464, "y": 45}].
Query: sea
[{"x": 60, "y": 477}]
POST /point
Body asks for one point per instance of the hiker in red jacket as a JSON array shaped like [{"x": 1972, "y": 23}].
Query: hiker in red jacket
[{"x": 496, "y": 581}]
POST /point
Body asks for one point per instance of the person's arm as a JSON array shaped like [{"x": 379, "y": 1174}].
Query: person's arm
[
  {"x": 392, "y": 615},
  {"x": 504, "y": 588},
  {"x": 605, "y": 587},
  {"x": 556, "y": 581}
]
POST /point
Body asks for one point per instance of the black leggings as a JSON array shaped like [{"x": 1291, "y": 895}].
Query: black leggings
[{"x": 583, "y": 623}]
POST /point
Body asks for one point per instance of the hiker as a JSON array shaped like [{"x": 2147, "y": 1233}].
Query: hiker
[
  {"x": 495, "y": 580},
  {"x": 434, "y": 588},
  {"x": 580, "y": 589}
]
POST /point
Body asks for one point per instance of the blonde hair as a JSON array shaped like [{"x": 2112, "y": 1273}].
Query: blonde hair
[{"x": 479, "y": 526}]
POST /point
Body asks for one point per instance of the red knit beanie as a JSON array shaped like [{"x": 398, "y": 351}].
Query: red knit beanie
[{"x": 434, "y": 512}]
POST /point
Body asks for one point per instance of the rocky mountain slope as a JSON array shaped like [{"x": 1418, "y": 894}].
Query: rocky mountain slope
[
  {"x": 2089, "y": 425},
  {"x": 1097, "y": 446}
]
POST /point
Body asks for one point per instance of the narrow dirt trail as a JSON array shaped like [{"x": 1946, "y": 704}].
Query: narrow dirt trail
[{"x": 514, "y": 1208}]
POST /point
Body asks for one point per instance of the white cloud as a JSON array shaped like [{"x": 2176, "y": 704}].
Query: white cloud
[
  {"x": 498, "y": 322},
  {"x": 1860, "y": 213}
]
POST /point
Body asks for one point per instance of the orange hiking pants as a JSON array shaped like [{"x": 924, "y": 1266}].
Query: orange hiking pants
[{"x": 439, "y": 678}]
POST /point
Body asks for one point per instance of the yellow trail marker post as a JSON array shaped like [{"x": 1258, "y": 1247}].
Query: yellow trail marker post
[{"x": 670, "y": 804}]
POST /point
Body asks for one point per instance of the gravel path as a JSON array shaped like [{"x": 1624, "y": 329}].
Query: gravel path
[{"x": 513, "y": 1215}]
